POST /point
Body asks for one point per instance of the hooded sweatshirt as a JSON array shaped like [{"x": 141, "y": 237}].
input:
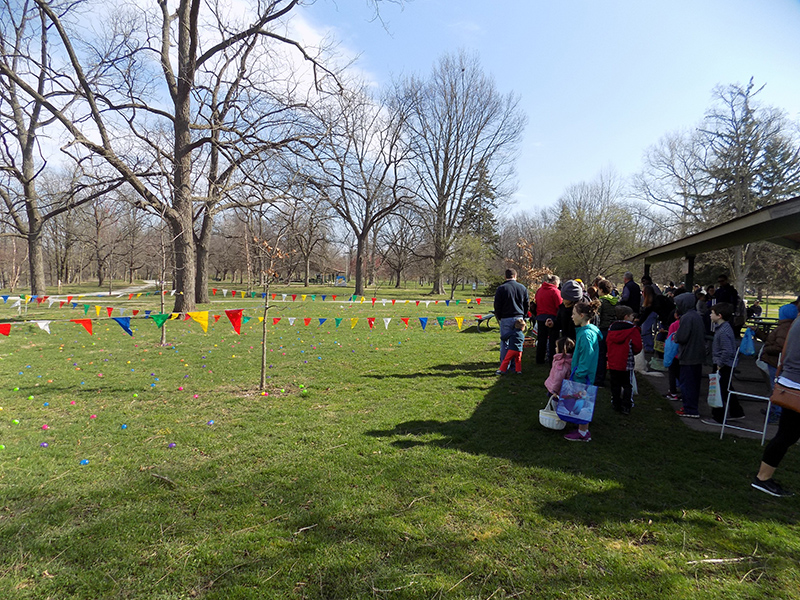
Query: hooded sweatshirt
[
  {"x": 608, "y": 311},
  {"x": 562, "y": 365},
  {"x": 691, "y": 331},
  {"x": 773, "y": 345},
  {"x": 623, "y": 337}
]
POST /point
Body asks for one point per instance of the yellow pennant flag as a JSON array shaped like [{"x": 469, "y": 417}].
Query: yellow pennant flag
[
  {"x": 459, "y": 321},
  {"x": 97, "y": 310},
  {"x": 139, "y": 295},
  {"x": 362, "y": 299},
  {"x": 201, "y": 317},
  {"x": 174, "y": 316},
  {"x": 353, "y": 322},
  {"x": 260, "y": 319},
  {"x": 469, "y": 300},
  {"x": 303, "y": 297}
]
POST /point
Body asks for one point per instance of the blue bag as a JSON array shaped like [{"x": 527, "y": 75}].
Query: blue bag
[
  {"x": 670, "y": 350},
  {"x": 747, "y": 346},
  {"x": 576, "y": 402}
]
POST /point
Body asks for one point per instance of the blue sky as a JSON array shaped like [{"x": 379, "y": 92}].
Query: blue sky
[{"x": 600, "y": 81}]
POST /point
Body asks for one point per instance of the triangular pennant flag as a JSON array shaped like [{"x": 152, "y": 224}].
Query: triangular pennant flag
[
  {"x": 172, "y": 292},
  {"x": 324, "y": 296},
  {"x": 383, "y": 301},
  {"x": 75, "y": 305},
  {"x": 130, "y": 296},
  {"x": 393, "y": 301},
  {"x": 313, "y": 297},
  {"x": 17, "y": 303},
  {"x": 273, "y": 296},
  {"x": 252, "y": 294},
  {"x": 233, "y": 294},
  {"x": 69, "y": 298},
  {"x": 457, "y": 301},
  {"x": 43, "y": 325},
  {"x": 468, "y": 301},
  {"x": 214, "y": 291},
  {"x": 478, "y": 300},
  {"x": 87, "y": 324},
  {"x": 50, "y": 302},
  {"x": 275, "y": 320},
  {"x": 441, "y": 321},
  {"x": 5, "y": 298},
  {"x": 459, "y": 322},
  {"x": 427, "y": 302},
  {"x": 417, "y": 302},
  {"x": 121, "y": 311},
  {"x": 362, "y": 300},
  {"x": 260, "y": 319},
  {"x": 294, "y": 297},
  {"x": 338, "y": 321},
  {"x": 97, "y": 309},
  {"x": 283, "y": 297},
  {"x": 5, "y": 328},
  {"x": 371, "y": 322},
  {"x": 224, "y": 293},
  {"x": 109, "y": 310},
  {"x": 306, "y": 321},
  {"x": 135, "y": 311},
  {"x": 174, "y": 316},
  {"x": 447, "y": 302},
  {"x": 291, "y": 320},
  {"x": 404, "y": 320},
  {"x": 479, "y": 317},
  {"x": 125, "y": 323},
  {"x": 201, "y": 316},
  {"x": 216, "y": 318},
  {"x": 86, "y": 309},
  {"x": 386, "y": 321},
  {"x": 334, "y": 297},
  {"x": 186, "y": 317},
  {"x": 322, "y": 320},
  {"x": 235, "y": 317},
  {"x": 147, "y": 313},
  {"x": 437, "y": 302},
  {"x": 424, "y": 321},
  {"x": 160, "y": 318},
  {"x": 373, "y": 302},
  {"x": 245, "y": 320},
  {"x": 139, "y": 295},
  {"x": 303, "y": 297},
  {"x": 353, "y": 322},
  {"x": 61, "y": 304},
  {"x": 263, "y": 295}
]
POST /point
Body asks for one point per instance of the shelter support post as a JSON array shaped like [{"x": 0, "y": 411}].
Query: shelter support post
[{"x": 688, "y": 280}]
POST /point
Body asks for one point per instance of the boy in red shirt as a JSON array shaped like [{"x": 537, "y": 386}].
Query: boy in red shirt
[{"x": 624, "y": 340}]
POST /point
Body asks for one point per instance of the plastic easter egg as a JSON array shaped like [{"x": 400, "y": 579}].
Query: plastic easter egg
[
  {"x": 172, "y": 445},
  {"x": 45, "y": 427},
  {"x": 43, "y": 444},
  {"x": 210, "y": 422},
  {"x": 84, "y": 462},
  {"x": 123, "y": 426},
  {"x": 47, "y": 404}
]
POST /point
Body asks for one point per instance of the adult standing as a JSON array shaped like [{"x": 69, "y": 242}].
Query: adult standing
[
  {"x": 631, "y": 293},
  {"x": 563, "y": 325},
  {"x": 789, "y": 425},
  {"x": 510, "y": 303},
  {"x": 548, "y": 299},
  {"x": 725, "y": 292}
]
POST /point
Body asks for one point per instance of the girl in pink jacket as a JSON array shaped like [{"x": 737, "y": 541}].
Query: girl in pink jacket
[{"x": 562, "y": 365}]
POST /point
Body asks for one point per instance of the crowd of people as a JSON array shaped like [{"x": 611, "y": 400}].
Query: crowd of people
[{"x": 593, "y": 334}]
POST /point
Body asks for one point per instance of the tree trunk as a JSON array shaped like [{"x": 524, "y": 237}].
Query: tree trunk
[
  {"x": 203, "y": 255},
  {"x": 307, "y": 268},
  {"x": 36, "y": 258},
  {"x": 361, "y": 243}
]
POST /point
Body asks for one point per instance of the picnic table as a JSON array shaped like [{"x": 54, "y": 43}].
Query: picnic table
[
  {"x": 485, "y": 319},
  {"x": 764, "y": 323}
]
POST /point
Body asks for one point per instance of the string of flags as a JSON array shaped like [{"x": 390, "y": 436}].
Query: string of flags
[{"x": 236, "y": 318}]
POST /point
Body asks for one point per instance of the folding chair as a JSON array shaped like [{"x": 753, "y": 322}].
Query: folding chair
[{"x": 731, "y": 392}]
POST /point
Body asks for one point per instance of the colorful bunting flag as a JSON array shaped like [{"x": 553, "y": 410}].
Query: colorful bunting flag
[
  {"x": 160, "y": 318},
  {"x": 86, "y": 309},
  {"x": 235, "y": 317},
  {"x": 5, "y": 328},
  {"x": 334, "y": 297},
  {"x": 386, "y": 321},
  {"x": 291, "y": 320},
  {"x": 109, "y": 310},
  {"x": 306, "y": 321},
  {"x": 224, "y": 293},
  {"x": 214, "y": 291},
  {"x": 321, "y": 321},
  {"x": 69, "y": 298},
  {"x": 275, "y": 320},
  {"x": 87, "y": 324},
  {"x": 201, "y": 316},
  {"x": 324, "y": 295},
  {"x": 294, "y": 297},
  {"x": 404, "y": 320},
  {"x": 373, "y": 302},
  {"x": 478, "y": 300},
  {"x": 303, "y": 297},
  {"x": 353, "y": 322},
  {"x": 135, "y": 311},
  {"x": 338, "y": 321},
  {"x": 97, "y": 309},
  {"x": 393, "y": 301},
  {"x": 125, "y": 323},
  {"x": 459, "y": 322},
  {"x": 283, "y": 297},
  {"x": 424, "y": 322},
  {"x": 417, "y": 302},
  {"x": 216, "y": 318},
  {"x": 371, "y": 322},
  {"x": 441, "y": 322},
  {"x": 313, "y": 297},
  {"x": 43, "y": 325},
  {"x": 245, "y": 320},
  {"x": 447, "y": 302}
]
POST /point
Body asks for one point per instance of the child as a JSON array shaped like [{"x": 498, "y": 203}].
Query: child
[
  {"x": 623, "y": 341},
  {"x": 562, "y": 365},
  {"x": 515, "y": 340},
  {"x": 675, "y": 367},
  {"x": 723, "y": 351},
  {"x": 690, "y": 337},
  {"x": 587, "y": 351}
]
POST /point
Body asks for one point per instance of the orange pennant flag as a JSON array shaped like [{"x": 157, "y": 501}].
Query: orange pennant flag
[
  {"x": 216, "y": 318},
  {"x": 87, "y": 324},
  {"x": 69, "y": 298},
  {"x": 130, "y": 296}
]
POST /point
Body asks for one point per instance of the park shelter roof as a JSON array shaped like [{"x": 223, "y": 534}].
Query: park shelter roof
[{"x": 778, "y": 223}]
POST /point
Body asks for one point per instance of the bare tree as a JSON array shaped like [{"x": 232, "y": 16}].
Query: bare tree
[{"x": 460, "y": 129}]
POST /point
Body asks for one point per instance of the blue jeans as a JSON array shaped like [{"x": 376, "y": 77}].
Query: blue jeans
[
  {"x": 506, "y": 327},
  {"x": 690, "y": 386}
]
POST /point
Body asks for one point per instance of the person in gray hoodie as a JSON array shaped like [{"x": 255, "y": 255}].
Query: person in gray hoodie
[{"x": 691, "y": 339}]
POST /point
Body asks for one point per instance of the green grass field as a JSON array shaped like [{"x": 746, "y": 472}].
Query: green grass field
[{"x": 385, "y": 463}]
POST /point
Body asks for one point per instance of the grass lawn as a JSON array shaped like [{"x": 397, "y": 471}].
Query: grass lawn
[{"x": 385, "y": 463}]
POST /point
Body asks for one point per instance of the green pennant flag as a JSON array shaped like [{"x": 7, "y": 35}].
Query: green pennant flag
[
  {"x": 160, "y": 318},
  {"x": 441, "y": 321},
  {"x": 338, "y": 321},
  {"x": 245, "y": 319},
  {"x": 85, "y": 309},
  {"x": 252, "y": 294},
  {"x": 457, "y": 301},
  {"x": 313, "y": 297}
]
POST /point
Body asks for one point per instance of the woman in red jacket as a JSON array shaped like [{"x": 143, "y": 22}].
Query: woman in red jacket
[{"x": 548, "y": 299}]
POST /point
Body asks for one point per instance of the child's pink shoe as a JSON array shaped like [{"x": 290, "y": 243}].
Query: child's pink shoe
[{"x": 575, "y": 436}]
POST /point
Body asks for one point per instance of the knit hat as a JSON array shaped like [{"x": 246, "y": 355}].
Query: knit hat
[
  {"x": 787, "y": 311},
  {"x": 571, "y": 290}
]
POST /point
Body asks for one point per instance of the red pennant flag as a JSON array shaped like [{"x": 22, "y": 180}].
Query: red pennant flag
[
  {"x": 479, "y": 317},
  {"x": 334, "y": 296},
  {"x": 109, "y": 310},
  {"x": 214, "y": 291},
  {"x": 69, "y": 298},
  {"x": 61, "y": 304},
  {"x": 39, "y": 300},
  {"x": 135, "y": 312},
  {"x": 87, "y": 324},
  {"x": 46, "y": 297},
  {"x": 186, "y": 318},
  {"x": 275, "y": 320},
  {"x": 216, "y": 318},
  {"x": 405, "y": 320},
  {"x": 273, "y": 296},
  {"x": 307, "y": 320},
  {"x": 130, "y": 296},
  {"x": 478, "y": 300},
  {"x": 371, "y": 321},
  {"x": 164, "y": 292},
  {"x": 393, "y": 301},
  {"x": 417, "y": 302},
  {"x": 373, "y": 302},
  {"x": 436, "y": 302},
  {"x": 235, "y": 317},
  {"x": 294, "y": 297},
  {"x": 5, "y": 328}
]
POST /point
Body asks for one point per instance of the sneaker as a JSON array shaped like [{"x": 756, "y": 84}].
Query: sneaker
[
  {"x": 625, "y": 411},
  {"x": 499, "y": 372},
  {"x": 711, "y": 422},
  {"x": 671, "y": 396},
  {"x": 739, "y": 418},
  {"x": 575, "y": 436},
  {"x": 771, "y": 487},
  {"x": 682, "y": 413}
]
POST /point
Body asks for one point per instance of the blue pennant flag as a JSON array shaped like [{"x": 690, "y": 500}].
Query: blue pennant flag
[
  {"x": 321, "y": 321},
  {"x": 424, "y": 321},
  {"x": 125, "y": 323}
]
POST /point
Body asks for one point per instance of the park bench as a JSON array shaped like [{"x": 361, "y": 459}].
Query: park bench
[{"x": 485, "y": 319}]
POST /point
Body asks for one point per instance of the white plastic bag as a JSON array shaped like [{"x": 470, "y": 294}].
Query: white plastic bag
[{"x": 714, "y": 393}]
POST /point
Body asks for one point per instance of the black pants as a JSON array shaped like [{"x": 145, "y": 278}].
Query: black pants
[
  {"x": 674, "y": 375},
  {"x": 787, "y": 436},
  {"x": 602, "y": 359},
  {"x": 736, "y": 409},
  {"x": 545, "y": 341},
  {"x": 621, "y": 389}
]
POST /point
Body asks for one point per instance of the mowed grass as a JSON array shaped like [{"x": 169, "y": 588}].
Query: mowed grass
[{"x": 385, "y": 463}]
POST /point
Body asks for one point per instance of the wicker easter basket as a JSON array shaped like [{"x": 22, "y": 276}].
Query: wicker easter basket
[{"x": 548, "y": 417}]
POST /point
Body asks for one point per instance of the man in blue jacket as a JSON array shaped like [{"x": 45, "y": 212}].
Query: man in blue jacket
[{"x": 510, "y": 303}]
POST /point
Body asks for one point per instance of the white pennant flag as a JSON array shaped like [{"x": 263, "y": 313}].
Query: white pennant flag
[
  {"x": 17, "y": 303},
  {"x": 172, "y": 292},
  {"x": 383, "y": 301},
  {"x": 291, "y": 320},
  {"x": 224, "y": 293},
  {"x": 43, "y": 325},
  {"x": 121, "y": 311},
  {"x": 50, "y": 302},
  {"x": 386, "y": 321},
  {"x": 283, "y": 297},
  {"x": 427, "y": 302}
]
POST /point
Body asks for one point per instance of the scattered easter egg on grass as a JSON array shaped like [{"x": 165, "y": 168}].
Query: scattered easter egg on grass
[
  {"x": 171, "y": 445},
  {"x": 43, "y": 444},
  {"x": 123, "y": 426},
  {"x": 45, "y": 427},
  {"x": 84, "y": 462}
]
